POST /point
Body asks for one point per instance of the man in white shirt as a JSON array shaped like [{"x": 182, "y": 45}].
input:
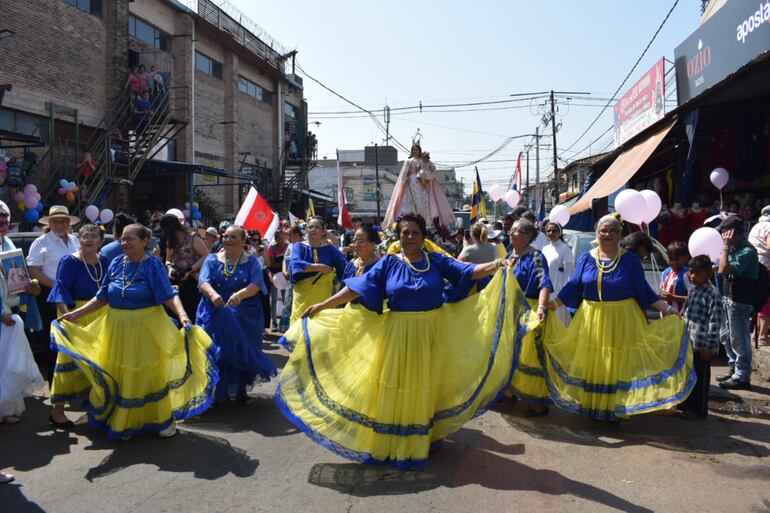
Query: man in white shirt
[{"x": 43, "y": 260}]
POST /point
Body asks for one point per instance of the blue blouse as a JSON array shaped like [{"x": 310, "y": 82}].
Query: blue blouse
[
  {"x": 626, "y": 282},
  {"x": 302, "y": 256},
  {"x": 73, "y": 282},
  {"x": 245, "y": 273},
  {"x": 112, "y": 250},
  {"x": 147, "y": 284},
  {"x": 531, "y": 271},
  {"x": 408, "y": 290}
]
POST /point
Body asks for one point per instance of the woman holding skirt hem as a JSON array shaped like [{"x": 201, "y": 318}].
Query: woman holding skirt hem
[
  {"x": 610, "y": 363},
  {"x": 381, "y": 386},
  {"x": 231, "y": 313},
  {"x": 145, "y": 373}
]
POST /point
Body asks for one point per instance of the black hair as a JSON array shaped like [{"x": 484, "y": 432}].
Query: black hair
[
  {"x": 416, "y": 219},
  {"x": 356, "y": 220},
  {"x": 636, "y": 241},
  {"x": 170, "y": 226},
  {"x": 700, "y": 263},
  {"x": 319, "y": 219},
  {"x": 120, "y": 222},
  {"x": 295, "y": 230},
  {"x": 371, "y": 234},
  {"x": 529, "y": 215},
  {"x": 677, "y": 249}
]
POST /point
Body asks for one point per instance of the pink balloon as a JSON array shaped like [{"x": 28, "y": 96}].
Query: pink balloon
[
  {"x": 106, "y": 215},
  {"x": 512, "y": 198},
  {"x": 652, "y": 205},
  {"x": 496, "y": 192},
  {"x": 61, "y": 191},
  {"x": 719, "y": 177},
  {"x": 19, "y": 196},
  {"x": 37, "y": 196},
  {"x": 30, "y": 189},
  {"x": 705, "y": 241},
  {"x": 92, "y": 213},
  {"x": 30, "y": 202},
  {"x": 631, "y": 206}
]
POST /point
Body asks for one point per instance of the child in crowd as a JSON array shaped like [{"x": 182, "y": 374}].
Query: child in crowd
[
  {"x": 675, "y": 283},
  {"x": 703, "y": 314}
]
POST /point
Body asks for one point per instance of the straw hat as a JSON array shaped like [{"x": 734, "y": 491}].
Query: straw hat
[{"x": 59, "y": 211}]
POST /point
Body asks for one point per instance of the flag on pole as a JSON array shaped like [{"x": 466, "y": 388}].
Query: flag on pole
[
  {"x": 256, "y": 214},
  {"x": 293, "y": 220},
  {"x": 310, "y": 212},
  {"x": 541, "y": 214},
  {"x": 343, "y": 218},
  {"x": 516, "y": 178},
  {"x": 478, "y": 205}
]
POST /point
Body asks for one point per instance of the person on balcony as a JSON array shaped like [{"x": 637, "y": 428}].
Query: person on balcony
[
  {"x": 142, "y": 109},
  {"x": 154, "y": 82}
]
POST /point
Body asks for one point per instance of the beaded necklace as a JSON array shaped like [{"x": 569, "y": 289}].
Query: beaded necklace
[
  {"x": 362, "y": 265},
  {"x": 605, "y": 268},
  {"x": 414, "y": 269},
  {"x": 228, "y": 272},
  {"x": 97, "y": 276},
  {"x": 125, "y": 285}
]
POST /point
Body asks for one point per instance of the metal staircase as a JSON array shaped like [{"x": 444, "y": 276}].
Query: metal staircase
[{"x": 120, "y": 145}]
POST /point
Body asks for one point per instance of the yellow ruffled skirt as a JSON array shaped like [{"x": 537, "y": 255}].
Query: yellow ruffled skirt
[
  {"x": 308, "y": 293},
  {"x": 610, "y": 363},
  {"x": 529, "y": 380},
  {"x": 381, "y": 388},
  {"x": 143, "y": 372},
  {"x": 69, "y": 383}
]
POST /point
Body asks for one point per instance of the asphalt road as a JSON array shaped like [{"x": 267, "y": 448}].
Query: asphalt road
[{"x": 247, "y": 458}]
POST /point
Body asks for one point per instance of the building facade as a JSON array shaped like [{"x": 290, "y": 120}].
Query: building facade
[{"x": 231, "y": 112}]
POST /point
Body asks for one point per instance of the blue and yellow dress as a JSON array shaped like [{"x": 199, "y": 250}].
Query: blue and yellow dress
[
  {"x": 531, "y": 270},
  {"x": 235, "y": 330},
  {"x": 380, "y": 385},
  {"x": 610, "y": 363},
  {"x": 143, "y": 370},
  {"x": 311, "y": 288},
  {"x": 76, "y": 283}
]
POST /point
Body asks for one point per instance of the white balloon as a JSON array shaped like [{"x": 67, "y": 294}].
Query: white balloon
[
  {"x": 176, "y": 212},
  {"x": 496, "y": 192},
  {"x": 512, "y": 198},
  {"x": 652, "y": 205},
  {"x": 719, "y": 177},
  {"x": 559, "y": 214},
  {"x": 107, "y": 215},
  {"x": 279, "y": 281},
  {"x": 705, "y": 241},
  {"x": 631, "y": 206},
  {"x": 92, "y": 213}
]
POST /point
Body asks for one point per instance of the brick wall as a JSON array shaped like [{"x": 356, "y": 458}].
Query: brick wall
[{"x": 57, "y": 54}]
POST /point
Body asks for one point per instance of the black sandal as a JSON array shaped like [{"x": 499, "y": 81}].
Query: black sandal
[{"x": 60, "y": 425}]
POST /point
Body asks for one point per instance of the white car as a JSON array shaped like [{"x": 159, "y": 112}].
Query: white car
[{"x": 581, "y": 242}]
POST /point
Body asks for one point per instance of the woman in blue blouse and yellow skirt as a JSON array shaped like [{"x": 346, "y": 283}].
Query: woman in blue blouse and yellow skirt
[
  {"x": 610, "y": 363},
  {"x": 317, "y": 267},
  {"x": 531, "y": 270},
  {"x": 381, "y": 385},
  {"x": 145, "y": 373}
]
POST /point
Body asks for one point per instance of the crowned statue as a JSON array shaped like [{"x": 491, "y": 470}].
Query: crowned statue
[{"x": 418, "y": 191}]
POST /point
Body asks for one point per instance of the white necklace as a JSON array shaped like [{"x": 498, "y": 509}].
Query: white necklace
[{"x": 98, "y": 275}]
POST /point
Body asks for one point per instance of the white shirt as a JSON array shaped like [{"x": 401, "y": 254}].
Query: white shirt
[
  {"x": 47, "y": 250},
  {"x": 540, "y": 241},
  {"x": 758, "y": 239}
]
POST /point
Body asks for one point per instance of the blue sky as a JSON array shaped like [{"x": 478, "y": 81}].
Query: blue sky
[{"x": 401, "y": 53}]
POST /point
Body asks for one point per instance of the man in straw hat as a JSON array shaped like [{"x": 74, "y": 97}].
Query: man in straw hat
[{"x": 43, "y": 260}]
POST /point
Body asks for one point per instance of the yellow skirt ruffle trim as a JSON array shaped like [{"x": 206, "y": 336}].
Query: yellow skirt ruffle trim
[
  {"x": 610, "y": 363},
  {"x": 382, "y": 388},
  {"x": 69, "y": 383},
  {"x": 142, "y": 371}
]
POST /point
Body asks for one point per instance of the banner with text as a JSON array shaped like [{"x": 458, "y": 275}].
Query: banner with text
[{"x": 642, "y": 105}]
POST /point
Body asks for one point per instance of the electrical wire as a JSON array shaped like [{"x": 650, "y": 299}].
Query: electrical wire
[{"x": 654, "y": 36}]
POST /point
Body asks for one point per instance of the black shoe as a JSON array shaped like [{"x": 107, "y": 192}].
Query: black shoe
[
  {"x": 724, "y": 377},
  {"x": 734, "y": 384},
  {"x": 60, "y": 425}
]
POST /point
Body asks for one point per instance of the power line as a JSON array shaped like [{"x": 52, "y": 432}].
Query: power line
[
  {"x": 654, "y": 36},
  {"x": 421, "y": 106}
]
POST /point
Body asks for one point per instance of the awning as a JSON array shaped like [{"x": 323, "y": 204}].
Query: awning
[
  {"x": 10, "y": 139},
  {"x": 624, "y": 167},
  {"x": 170, "y": 167}
]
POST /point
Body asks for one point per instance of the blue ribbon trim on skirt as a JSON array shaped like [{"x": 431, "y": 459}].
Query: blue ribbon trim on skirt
[
  {"x": 195, "y": 406},
  {"x": 65, "y": 367}
]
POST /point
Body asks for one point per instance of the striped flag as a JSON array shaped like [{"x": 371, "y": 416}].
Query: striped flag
[
  {"x": 478, "y": 205},
  {"x": 343, "y": 218},
  {"x": 516, "y": 177}
]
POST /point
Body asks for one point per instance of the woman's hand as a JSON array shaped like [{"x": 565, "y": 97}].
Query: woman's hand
[
  {"x": 552, "y": 305},
  {"x": 33, "y": 288},
  {"x": 313, "y": 309},
  {"x": 324, "y": 269},
  {"x": 234, "y": 300},
  {"x": 217, "y": 301},
  {"x": 8, "y": 320},
  {"x": 70, "y": 316},
  {"x": 542, "y": 312},
  {"x": 186, "y": 323}
]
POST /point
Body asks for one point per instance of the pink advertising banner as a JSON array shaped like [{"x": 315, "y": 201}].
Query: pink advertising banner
[{"x": 642, "y": 105}]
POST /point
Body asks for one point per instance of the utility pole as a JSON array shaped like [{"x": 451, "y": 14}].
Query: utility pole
[
  {"x": 555, "y": 161},
  {"x": 377, "y": 179},
  {"x": 537, "y": 163},
  {"x": 387, "y": 125}
]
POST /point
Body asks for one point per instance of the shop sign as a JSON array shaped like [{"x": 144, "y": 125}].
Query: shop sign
[
  {"x": 732, "y": 37},
  {"x": 643, "y": 104}
]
